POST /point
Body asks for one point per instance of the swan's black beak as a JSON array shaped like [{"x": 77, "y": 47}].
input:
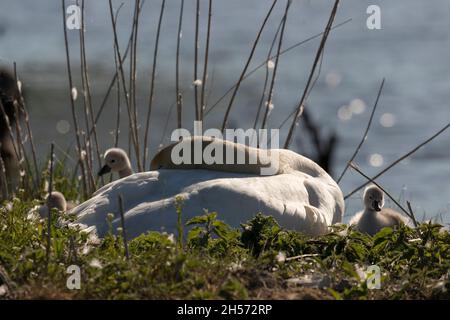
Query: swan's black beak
[
  {"x": 376, "y": 206},
  {"x": 105, "y": 169}
]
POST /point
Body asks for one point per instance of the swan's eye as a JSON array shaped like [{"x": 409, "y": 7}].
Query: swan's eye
[{"x": 113, "y": 161}]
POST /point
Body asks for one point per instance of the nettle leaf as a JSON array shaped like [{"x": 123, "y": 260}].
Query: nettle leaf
[
  {"x": 385, "y": 233},
  {"x": 221, "y": 229},
  {"x": 358, "y": 250},
  {"x": 203, "y": 219},
  {"x": 195, "y": 233},
  {"x": 197, "y": 220},
  {"x": 349, "y": 268}
]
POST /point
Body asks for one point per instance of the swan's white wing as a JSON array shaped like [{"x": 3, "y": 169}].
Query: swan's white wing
[{"x": 296, "y": 200}]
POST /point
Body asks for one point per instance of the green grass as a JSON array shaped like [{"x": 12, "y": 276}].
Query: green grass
[{"x": 218, "y": 262}]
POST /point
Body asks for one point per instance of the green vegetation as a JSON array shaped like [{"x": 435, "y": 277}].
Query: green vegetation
[{"x": 259, "y": 261}]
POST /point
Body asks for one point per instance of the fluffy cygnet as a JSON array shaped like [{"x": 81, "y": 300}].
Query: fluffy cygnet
[
  {"x": 116, "y": 160},
  {"x": 55, "y": 200},
  {"x": 374, "y": 217}
]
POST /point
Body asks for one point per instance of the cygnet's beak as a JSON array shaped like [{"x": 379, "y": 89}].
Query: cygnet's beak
[
  {"x": 376, "y": 206},
  {"x": 105, "y": 169}
]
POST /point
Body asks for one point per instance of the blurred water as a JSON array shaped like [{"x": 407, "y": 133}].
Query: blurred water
[{"x": 411, "y": 52}]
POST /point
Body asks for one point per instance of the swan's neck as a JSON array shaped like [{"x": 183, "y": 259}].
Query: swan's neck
[{"x": 125, "y": 172}]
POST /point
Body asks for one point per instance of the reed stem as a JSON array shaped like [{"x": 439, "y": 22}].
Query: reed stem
[
  {"x": 72, "y": 103},
  {"x": 152, "y": 82},
  {"x": 133, "y": 130},
  {"x": 196, "y": 47},
  {"x": 247, "y": 64},
  {"x": 205, "y": 68},
  {"x": 364, "y": 137},
  {"x": 274, "y": 74},
  {"x": 124, "y": 233},
  {"x": 399, "y": 160},
  {"x": 50, "y": 190},
  {"x": 311, "y": 74},
  {"x": 178, "y": 97}
]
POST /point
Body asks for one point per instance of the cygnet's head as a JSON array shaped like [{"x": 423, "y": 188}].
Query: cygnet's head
[
  {"x": 56, "y": 200},
  {"x": 373, "y": 198},
  {"x": 116, "y": 160}
]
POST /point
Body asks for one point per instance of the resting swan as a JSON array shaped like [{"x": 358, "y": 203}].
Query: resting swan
[
  {"x": 302, "y": 197},
  {"x": 374, "y": 217}
]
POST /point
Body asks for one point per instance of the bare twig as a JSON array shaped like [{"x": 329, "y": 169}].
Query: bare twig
[
  {"x": 411, "y": 212},
  {"x": 399, "y": 160},
  {"x": 355, "y": 167},
  {"x": 72, "y": 104},
  {"x": 196, "y": 47},
  {"x": 133, "y": 130},
  {"x": 10, "y": 131},
  {"x": 49, "y": 209},
  {"x": 89, "y": 168},
  {"x": 311, "y": 87},
  {"x": 116, "y": 74},
  {"x": 87, "y": 98},
  {"x": 3, "y": 179},
  {"x": 267, "y": 73},
  {"x": 65, "y": 153},
  {"x": 133, "y": 59},
  {"x": 29, "y": 132},
  {"x": 20, "y": 147},
  {"x": 216, "y": 103},
  {"x": 247, "y": 64},
  {"x": 152, "y": 81},
  {"x": 364, "y": 137},
  {"x": 88, "y": 144},
  {"x": 178, "y": 97},
  {"x": 274, "y": 74},
  {"x": 133, "y": 64},
  {"x": 205, "y": 68},
  {"x": 11, "y": 137},
  {"x": 23, "y": 153},
  {"x": 166, "y": 124},
  {"x": 122, "y": 221},
  {"x": 308, "y": 255},
  {"x": 311, "y": 74},
  {"x": 116, "y": 63},
  {"x": 117, "y": 131}
]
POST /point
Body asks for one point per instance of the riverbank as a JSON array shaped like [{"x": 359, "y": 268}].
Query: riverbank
[{"x": 260, "y": 261}]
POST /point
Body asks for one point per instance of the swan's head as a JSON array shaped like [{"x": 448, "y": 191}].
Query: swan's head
[
  {"x": 373, "y": 198},
  {"x": 163, "y": 159},
  {"x": 56, "y": 200},
  {"x": 116, "y": 160}
]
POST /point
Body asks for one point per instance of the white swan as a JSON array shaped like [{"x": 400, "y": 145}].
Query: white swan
[
  {"x": 304, "y": 198},
  {"x": 374, "y": 217}
]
